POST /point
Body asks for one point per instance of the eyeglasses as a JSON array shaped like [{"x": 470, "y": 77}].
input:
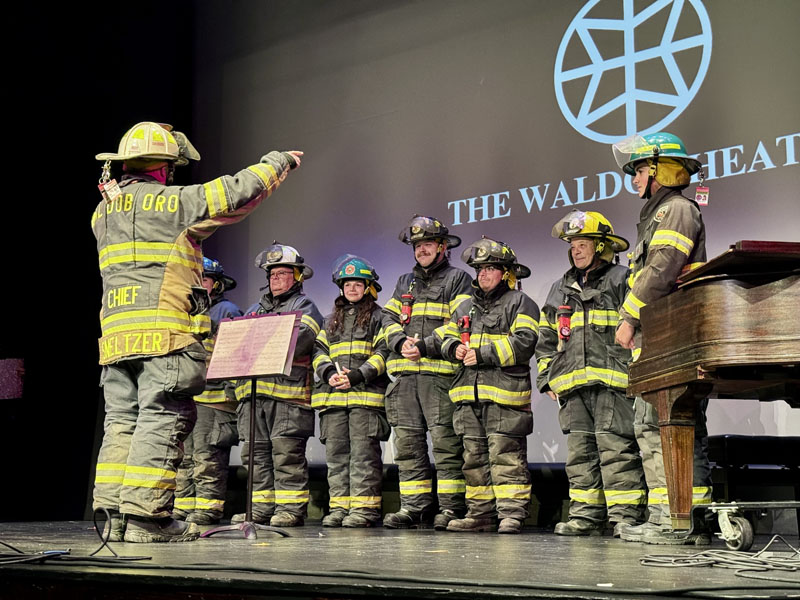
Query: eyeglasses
[
  {"x": 278, "y": 274},
  {"x": 488, "y": 269}
]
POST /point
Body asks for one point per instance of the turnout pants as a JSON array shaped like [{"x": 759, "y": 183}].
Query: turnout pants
[
  {"x": 203, "y": 474},
  {"x": 648, "y": 436},
  {"x": 603, "y": 464},
  {"x": 416, "y": 405},
  {"x": 352, "y": 438},
  {"x": 498, "y": 481},
  {"x": 150, "y": 411},
  {"x": 280, "y": 468}
]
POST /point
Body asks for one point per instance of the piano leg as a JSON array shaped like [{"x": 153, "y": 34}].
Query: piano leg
[{"x": 677, "y": 415}]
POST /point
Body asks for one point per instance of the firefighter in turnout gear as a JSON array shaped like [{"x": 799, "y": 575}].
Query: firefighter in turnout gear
[
  {"x": 582, "y": 368},
  {"x": 284, "y": 417},
  {"x": 671, "y": 240},
  {"x": 154, "y": 317},
  {"x": 493, "y": 335},
  {"x": 350, "y": 362},
  {"x": 203, "y": 474},
  {"x": 417, "y": 401}
]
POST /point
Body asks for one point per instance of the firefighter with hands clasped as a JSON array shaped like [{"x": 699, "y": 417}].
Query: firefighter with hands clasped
[
  {"x": 671, "y": 240},
  {"x": 350, "y": 362},
  {"x": 417, "y": 400},
  {"x": 284, "y": 417},
  {"x": 203, "y": 474},
  {"x": 493, "y": 335},
  {"x": 155, "y": 315},
  {"x": 582, "y": 368}
]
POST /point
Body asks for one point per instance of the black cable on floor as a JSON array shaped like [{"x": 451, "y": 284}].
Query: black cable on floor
[{"x": 744, "y": 562}]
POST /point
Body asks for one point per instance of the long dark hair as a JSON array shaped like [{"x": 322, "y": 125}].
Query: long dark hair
[{"x": 364, "y": 308}]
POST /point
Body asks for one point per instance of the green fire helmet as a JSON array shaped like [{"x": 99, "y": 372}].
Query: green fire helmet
[
  {"x": 422, "y": 228},
  {"x": 153, "y": 141},
  {"x": 592, "y": 225},
  {"x": 670, "y": 165},
  {"x": 281, "y": 255},
  {"x": 487, "y": 251},
  {"x": 350, "y": 266}
]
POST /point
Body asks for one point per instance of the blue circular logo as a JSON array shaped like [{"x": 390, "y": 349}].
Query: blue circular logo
[{"x": 610, "y": 94}]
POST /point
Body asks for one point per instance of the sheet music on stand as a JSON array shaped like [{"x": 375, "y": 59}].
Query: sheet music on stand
[{"x": 250, "y": 347}]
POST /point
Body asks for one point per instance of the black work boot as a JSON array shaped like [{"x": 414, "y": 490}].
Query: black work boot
[
  {"x": 114, "y": 529},
  {"x": 402, "y": 519},
  {"x": 145, "y": 530},
  {"x": 580, "y": 527},
  {"x": 472, "y": 524},
  {"x": 334, "y": 518},
  {"x": 441, "y": 520},
  {"x": 203, "y": 517}
]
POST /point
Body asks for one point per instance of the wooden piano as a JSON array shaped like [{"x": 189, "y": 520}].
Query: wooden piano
[{"x": 731, "y": 328}]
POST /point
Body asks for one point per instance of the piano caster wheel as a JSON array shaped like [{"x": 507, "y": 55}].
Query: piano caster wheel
[{"x": 743, "y": 534}]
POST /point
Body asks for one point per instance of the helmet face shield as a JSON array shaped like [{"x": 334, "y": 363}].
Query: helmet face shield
[
  {"x": 653, "y": 147},
  {"x": 625, "y": 149},
  {"x": 589, "y": 224}
]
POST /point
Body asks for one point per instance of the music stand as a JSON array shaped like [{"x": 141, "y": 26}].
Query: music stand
[{"x": 253, "y": 346}]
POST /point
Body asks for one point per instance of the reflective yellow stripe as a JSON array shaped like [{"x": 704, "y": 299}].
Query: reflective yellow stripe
[
  {"x": 635, "y": 497},
  {"x": 666, "y": 237},
  {"x": 456, "y": 302},
  {"x": 347, "y": 348},
  {"x": 587, "y": 375},
  {"x": 591, "y": 496},
  {"x": 604, "y": 318},
  {"x": 632, "y": 305},
  {"x": 436, "y": 310},
  {"x": 264, "y": 496},
  {"x": 542, "y": 363},
  {"x": 377, "y": 362},
  {"x": 424, "y": 365},
  {"x": 524, "y": 322},
  {"x": 505, "y": 353},
  {"x": 209, "y": 504},
  {"x": 657, "y": 496},
  {"x": 211, "y": 397},
  {"x": 392, "y": 329},
  {"x": 339, "y": 502},
  {"x": 158, "y": 252},
  {"x": 543, "y": 322},
  {"x": 701, "y": 495},
  {"x": 516, "y": 492},
  {"x": 451, "y": 486},
  {"x": 267, "y": 174},
  {"x": 365, "y": 502},
  {"x": 479, "y": 492},
  {"x": 494, "y": 394},
  {"x": 394, "y": 305},
  {"x": 310, "y": 323},
  {"x": 185, "y": 504},
  {"x": 276, "y": 390},
  {"x": 346, "y": 398},
  {"x": 410, "y": 488},
  {"x": 291, "y": 496}
]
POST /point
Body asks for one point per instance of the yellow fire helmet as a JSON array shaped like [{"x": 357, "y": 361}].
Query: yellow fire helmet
[
  {"x": 593, "y": 225},
  {"x": 153, "y": 141}
]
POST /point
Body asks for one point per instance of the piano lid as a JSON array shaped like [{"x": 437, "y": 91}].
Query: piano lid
[{"x": 748, "y": 257}]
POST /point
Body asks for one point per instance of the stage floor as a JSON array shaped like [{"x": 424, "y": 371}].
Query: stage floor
[{"x": 319, "y": 562}]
